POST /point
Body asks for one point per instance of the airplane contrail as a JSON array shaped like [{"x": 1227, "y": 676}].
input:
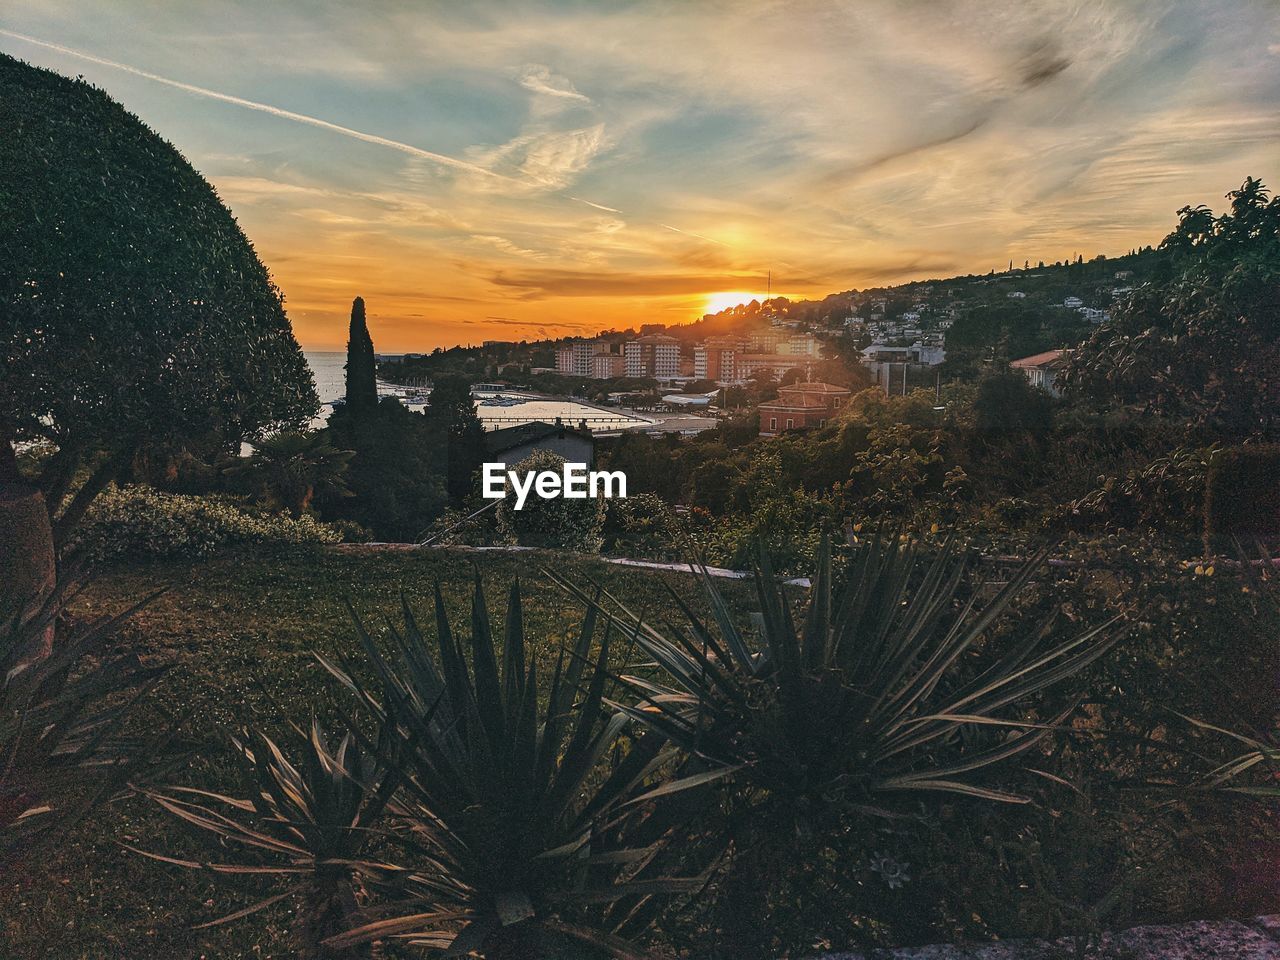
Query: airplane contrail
[
  {"x": 598, "y": 206},
  {"x": 438, "y": 158},
  {"x": 690, "y": 233},
  {"x": 267, "y": 108}
]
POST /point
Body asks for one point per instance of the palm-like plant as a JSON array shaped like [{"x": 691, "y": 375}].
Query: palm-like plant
[
  {"x": 506, "y": 812},
  {"x": 311, "y": 822},
  {"x": 62, "y": 745},
  {"x": 870, "y": 696},
  {"x": 875, "y": 700},
  {"x": 290, "y": 467}
]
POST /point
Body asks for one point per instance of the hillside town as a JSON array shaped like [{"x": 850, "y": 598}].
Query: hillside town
[{"x": 793, "y": 362}]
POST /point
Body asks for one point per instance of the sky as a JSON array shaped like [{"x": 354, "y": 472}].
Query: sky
[{"x": 516, "y": 170}]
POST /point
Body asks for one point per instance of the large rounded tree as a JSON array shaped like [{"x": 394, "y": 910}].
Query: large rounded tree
[{"x": 134, "y": 313}]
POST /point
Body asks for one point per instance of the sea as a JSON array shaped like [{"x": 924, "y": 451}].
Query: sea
[{"x": 496, "y": 409}]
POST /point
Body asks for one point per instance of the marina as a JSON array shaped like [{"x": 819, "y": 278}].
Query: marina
[{"x": 496, "y": 405}]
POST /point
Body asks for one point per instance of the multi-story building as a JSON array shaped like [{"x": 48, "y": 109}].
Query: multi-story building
[
  {"x": 889, "y": 365},
  {"x": 714, "y": 359},
  {"x": 748, "y": 365},
  {"x": 763, "y": 341},
  {"x": 655, "y": 355},
  {"x": 573, "y": 358},
  {"x": 801, "y": 345},
  {"x": 800, "y": 406},
  {"x": 606, "y": 366}
]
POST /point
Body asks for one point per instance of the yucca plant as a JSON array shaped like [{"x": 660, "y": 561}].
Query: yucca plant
[
  {"x": 1253, "y": 773},
  {"x": 63, "y": 747},
  {"x": 512, "y": 812},
  {"x": 871, "y": 695},
  {"x": 826, "y": 732},
  {"x": 311, "y": 822}
]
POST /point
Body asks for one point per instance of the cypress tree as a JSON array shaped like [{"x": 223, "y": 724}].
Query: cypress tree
[{"x": 362, "y": 387}]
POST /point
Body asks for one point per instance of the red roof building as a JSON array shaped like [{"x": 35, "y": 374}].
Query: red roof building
[
  {"x": 1043, "y": 369},
  {"x": 800, "y": 406}
]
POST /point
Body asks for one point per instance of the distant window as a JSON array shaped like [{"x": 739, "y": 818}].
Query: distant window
[
  {"x": 791, "y": 424},
  {"x": 773, "y": 423}
]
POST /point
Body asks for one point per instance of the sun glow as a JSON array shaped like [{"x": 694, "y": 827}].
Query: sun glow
[{"x": 724, "y": 299}]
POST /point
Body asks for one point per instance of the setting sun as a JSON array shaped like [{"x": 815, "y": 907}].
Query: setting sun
[{"x": 725, "y": 299}]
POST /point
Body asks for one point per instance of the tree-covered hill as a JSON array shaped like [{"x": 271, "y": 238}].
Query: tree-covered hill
[{"x": 997, "y": 315}]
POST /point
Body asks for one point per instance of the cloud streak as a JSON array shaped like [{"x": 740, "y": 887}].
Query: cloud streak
[
  {"x": 598, "y": 206},
  {"x": 540, "y": 79},
  {"x": 418, "y": 152},
  {"x": 690, "y": 233}
]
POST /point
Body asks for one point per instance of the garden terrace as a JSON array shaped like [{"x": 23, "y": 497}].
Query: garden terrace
[{"x": 241, "y": 626}]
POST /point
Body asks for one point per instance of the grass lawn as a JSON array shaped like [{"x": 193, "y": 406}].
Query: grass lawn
[{"x": 240, "y": 630}]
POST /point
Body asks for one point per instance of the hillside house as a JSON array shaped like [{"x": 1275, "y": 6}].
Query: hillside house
[
  {"x": 800, "y": 406},
  {"x": 1044, "y": 369}
]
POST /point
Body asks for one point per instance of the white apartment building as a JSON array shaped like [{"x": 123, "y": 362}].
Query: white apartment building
[
  {"x": 655, "y": 355},
  {"x": 800, "y": 345},
  {"x": 574, "y": 357}
]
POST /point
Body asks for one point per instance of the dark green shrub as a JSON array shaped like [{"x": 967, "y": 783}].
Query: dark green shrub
[
  {"x": 1006, "y": 403},
  {"x": 141, "y": 523},
  {"x": 1166, "y": 496},
  {"x": 558, "y": 522}
]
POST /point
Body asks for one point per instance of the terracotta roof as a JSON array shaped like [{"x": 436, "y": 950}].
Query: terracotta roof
[{"x": 1050, "y": 358}]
